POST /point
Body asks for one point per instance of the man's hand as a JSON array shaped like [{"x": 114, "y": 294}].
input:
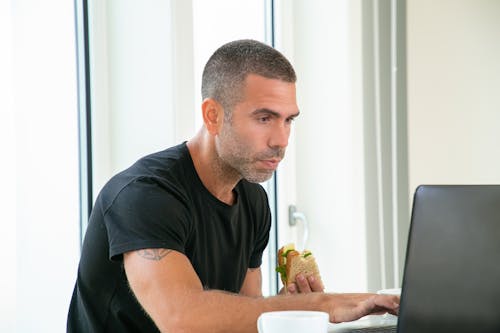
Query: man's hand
[
  {"x": 303, "y": 285},
  {"x": 350, "y": 307}
]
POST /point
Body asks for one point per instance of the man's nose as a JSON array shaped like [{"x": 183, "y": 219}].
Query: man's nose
[{"x": 279, "y": 136}]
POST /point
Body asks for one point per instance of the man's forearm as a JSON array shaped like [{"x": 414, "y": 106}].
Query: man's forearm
[{"x": 220, "y": 312}]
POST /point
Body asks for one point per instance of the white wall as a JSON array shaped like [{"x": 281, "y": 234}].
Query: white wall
[
  {"x": 8, "y": 190},
  {"x": 40, "y": 165},
  {"x": 453, "y": 122},
  {"x": 453, "y": 91}
]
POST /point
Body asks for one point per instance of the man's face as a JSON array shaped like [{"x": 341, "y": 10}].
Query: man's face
[{"x": 254, "y": 141}]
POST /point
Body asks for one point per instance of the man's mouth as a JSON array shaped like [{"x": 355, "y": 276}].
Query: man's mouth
[{"x": 271, "y": 163}]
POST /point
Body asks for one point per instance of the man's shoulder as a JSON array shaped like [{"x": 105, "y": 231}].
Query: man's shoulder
[
  {"x": 163, "y": 159},
  {"x": 165, "y": 170},
  {"x": 171, "y": 163}
]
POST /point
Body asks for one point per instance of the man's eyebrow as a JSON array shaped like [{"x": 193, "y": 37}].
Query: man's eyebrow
[{"x": 272, "y": 113}]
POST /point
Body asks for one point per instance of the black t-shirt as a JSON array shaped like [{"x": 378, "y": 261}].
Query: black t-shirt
[{"x": 160, "y": 202}]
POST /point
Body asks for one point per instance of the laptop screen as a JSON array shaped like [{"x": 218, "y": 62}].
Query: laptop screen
[{"x": 451, "y": 279}]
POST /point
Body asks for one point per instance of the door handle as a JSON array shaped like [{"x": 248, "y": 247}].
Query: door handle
[{"x": 294, "y": 217}]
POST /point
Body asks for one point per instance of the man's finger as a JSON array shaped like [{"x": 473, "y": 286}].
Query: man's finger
[
  {"x": 315, "y": 284},
  {"x": 389, "y": 303},
  {"x": 292, "y": 288},
  {"x": 303, "y": 284}
]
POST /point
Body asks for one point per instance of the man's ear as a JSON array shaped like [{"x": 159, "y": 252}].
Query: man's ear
[{"x": 213, "y": 115}]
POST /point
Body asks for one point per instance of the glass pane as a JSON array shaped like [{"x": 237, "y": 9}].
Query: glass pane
[{"x": 147, "y": 58}]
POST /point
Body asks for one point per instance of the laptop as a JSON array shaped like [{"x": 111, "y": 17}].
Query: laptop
[{"x": 451, "y": 280}]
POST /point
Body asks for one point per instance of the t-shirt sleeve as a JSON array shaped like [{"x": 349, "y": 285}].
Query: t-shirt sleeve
[
  {"x": 146, "y": 215},
  {"x": 262, "y": 236}
]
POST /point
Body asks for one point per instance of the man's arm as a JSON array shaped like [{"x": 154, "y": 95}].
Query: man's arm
[{"x": 167, "y": 287}]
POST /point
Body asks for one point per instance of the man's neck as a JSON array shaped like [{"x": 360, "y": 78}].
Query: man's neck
[{"x": 210, "y": 168}]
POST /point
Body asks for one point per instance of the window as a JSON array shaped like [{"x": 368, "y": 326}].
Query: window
[
  {"x": 39, "y": 164},
  {"x": 146, "y": 60}
]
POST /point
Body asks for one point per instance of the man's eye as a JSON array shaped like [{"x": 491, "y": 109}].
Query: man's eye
[{"x": 264, "y": 119}]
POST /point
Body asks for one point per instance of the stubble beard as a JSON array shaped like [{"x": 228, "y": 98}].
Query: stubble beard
[{"x": 237, "y": 157}]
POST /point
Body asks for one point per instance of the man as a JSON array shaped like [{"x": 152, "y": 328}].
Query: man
[{"x": 175, "y": 242}]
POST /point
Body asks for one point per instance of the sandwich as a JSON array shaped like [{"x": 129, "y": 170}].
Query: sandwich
[{"x": 292, "y": 262}]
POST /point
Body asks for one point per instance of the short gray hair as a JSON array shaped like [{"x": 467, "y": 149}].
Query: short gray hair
[{"x": 227, "y": 69}]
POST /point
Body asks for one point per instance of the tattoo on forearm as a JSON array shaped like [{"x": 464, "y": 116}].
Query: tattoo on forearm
[{"x": 154, "y": 254}]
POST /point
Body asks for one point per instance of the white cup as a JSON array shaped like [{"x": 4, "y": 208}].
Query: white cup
[{"x": 293, "y": 322}]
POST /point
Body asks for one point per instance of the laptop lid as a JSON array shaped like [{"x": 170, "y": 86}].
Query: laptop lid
[{"x": 451, "y": 279}]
